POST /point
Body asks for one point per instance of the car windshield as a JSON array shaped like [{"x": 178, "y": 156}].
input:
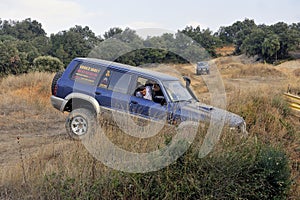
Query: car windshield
[
  {"x": 202, "y": 63},
  {"x": 176, "y": 91}
]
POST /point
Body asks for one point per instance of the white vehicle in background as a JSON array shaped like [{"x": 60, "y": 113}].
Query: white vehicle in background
[{"x": 202, "y": 68}]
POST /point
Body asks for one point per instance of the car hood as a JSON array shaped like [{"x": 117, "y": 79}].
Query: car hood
[{"x": 205, "y": 113}]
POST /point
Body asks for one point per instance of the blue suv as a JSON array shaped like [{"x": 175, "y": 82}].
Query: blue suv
[{"x": 89, "y": 87}]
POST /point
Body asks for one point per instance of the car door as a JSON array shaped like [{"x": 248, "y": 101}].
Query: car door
[{"x": 112, "y": 90}]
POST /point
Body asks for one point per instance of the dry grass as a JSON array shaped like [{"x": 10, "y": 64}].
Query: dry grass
[
  {"x": 297, "y": 72},
  {"x": 225, "y": 51},
  {"x": 13, "y": 82},
  {"x": 43, "y": 148},
  {"x": 262, "y": 70},
  {"x": 33, "y": 88},
  {"x": 238, "y": 70},
  {"x": 28, "y": 122}
]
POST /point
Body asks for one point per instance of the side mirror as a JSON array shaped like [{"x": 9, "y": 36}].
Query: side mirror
[
  {"x": 187, "y": 81},
  {"x": 187, "y": 85}
]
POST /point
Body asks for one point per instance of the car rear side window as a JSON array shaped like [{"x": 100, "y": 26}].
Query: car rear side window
[
  {"x": 116, "y": 80},
  {"x": 87, "y": 73}
]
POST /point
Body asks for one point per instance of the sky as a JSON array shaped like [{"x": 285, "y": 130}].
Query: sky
[{"x": 172, "y": 15}]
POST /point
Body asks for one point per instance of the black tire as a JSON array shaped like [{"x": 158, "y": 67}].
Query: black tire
[
  {"x": 54, "y": 81},
  {"x": 81, "y": 123}
]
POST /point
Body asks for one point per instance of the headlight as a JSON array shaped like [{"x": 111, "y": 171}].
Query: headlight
[{"x": 241, "y": 129}]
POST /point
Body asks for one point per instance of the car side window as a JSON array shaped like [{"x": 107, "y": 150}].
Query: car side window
[
  {"x": 105, "y": 79},
  {"x": 86, "y": 73},
  {"x": 116, "y": 81},
  {"x": 148, "y": 89},
  {"x": 143, "y": 88},
  {"x": 140, "y": 83}
]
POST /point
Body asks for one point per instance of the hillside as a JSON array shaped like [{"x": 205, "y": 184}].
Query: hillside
[{"x": 33, "y": 141}]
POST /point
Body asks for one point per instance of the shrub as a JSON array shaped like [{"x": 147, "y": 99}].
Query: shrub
[
  {"x": 47, "y": 64},
  {"x": 272, "y": 164}
]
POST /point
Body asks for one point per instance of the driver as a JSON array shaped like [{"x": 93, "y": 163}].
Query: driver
[{"x": 156, "y": 93}]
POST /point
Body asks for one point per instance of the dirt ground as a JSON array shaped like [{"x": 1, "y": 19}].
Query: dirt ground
[{"x": 28, "y": 123}]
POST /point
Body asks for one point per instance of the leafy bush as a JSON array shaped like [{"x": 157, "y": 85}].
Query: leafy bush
[
  {"x": 47, "y": 64},
  {"x": 275, "y": 173}
]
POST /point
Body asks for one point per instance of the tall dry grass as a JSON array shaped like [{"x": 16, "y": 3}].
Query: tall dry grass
[
  {"x": 27, "y": 122},
  {"x": 61, "y": 168},
  {"x": 297, "y": 72},
  {"x": 34, "y": 88}
]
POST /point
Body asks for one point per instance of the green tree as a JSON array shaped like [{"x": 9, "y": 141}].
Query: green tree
[
  {"x": 10, "y": 62},
  {"x": 25, "y": 30},
  {"x": 288, "y": 36},
  {"x": 170, "y": 42},
  {"x": 295, "y": 28},
  {"x": 156, "y": 50},
  {"x": 236, "y": 33},
  {"x": 111, "y": 32},
  {"x": 270, "y": 47},
  {"x": 272, "y": 42},
  {"x": 130, "y": 37},
  {"x": 204, "y": 38},
  {"x": 252, "y": 45},
  {"x": 76, "y": 42},
  {"x": 210, "y": 42},
  {"x": 124, "y": 47},
  {"x": 110, "y": 49},
  {"x": 42, "y": 43},
  {"x": 28, "y": 52},
  {"x": 7, "y": 38},
  {"x": 183, "y": 45}
]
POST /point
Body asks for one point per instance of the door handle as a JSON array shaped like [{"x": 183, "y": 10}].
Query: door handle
[{"x": 98, "y": 93}]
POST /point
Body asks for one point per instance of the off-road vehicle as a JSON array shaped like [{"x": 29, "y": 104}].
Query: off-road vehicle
[
  {"x": 202, "y": 68},
  {"x": 88, "y": 87}
]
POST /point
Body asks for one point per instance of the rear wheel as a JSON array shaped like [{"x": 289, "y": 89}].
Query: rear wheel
[
  {"x": 80, "y": 123},
  {"x": 54, "y": 81}
]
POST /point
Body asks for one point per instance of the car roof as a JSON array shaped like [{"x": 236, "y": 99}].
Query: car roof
[
  {"x": 137, "y": 70},
  {"x": 202, "y": 62}
]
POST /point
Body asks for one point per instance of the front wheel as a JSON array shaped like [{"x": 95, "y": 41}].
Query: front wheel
[{"x": 80, "y": 123}]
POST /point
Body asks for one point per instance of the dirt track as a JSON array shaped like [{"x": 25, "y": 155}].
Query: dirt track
[{"x": 25, "y": 129}]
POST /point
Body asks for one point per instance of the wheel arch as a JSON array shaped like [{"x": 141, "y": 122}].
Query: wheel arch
[{"x": 79, "y": 100}]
